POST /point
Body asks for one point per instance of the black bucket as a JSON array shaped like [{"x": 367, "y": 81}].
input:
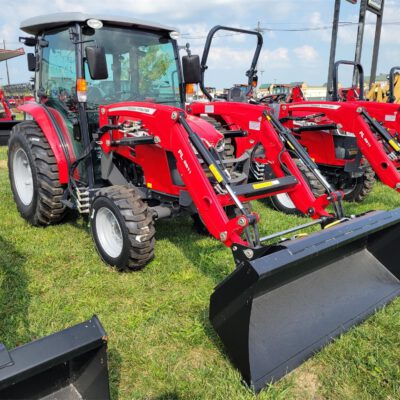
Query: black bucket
[
  {"x": 71, "y": 364},
  {"x": 5, "y": 130},
  {"x": 275, "y": 312}
]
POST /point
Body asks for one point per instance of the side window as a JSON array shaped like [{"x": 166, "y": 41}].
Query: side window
[{"x": 58, "y": 73}]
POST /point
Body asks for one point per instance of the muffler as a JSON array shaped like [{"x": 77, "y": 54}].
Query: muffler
[
  {"x": 70, "y": 364},
  {"x": 274, "y": 312}
]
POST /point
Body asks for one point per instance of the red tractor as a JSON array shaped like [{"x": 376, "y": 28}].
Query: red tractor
[
  {"x": 5, "y": 111},
  {"x": 6, "y": 119},
  {"x": 109, "y": 138},
  {"x": 339, "y": 171},
  {"x": 373, "y": 127},
  {"x": 340, "y": 153}
]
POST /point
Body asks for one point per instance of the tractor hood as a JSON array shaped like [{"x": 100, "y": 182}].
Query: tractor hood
[
  {"x": 209, "y": 135},
  {"x": 155, "y": 116}
]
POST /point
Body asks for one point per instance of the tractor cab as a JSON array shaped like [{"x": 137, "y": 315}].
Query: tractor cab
[{"x": 83, "y": 61}]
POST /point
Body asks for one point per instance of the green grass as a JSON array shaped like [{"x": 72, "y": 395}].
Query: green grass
[{"x": 161, "y": 344}]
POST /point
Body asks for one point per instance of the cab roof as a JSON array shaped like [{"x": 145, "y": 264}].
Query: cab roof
[{"x": 36, "y": 25}]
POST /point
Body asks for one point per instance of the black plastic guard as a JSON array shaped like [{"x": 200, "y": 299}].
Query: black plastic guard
[
  {"x": 5, "y": 130},
  {"x": 276, "y": 311},
  {"x": 70, "y": 364}
]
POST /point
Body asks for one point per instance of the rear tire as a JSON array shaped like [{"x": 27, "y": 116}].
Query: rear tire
[
  {"x": 363, "y": 187},
  {"x": 122, "y": 228},
  {"x": 33, "y": 174},
  {"x": 283, "y": 203}
]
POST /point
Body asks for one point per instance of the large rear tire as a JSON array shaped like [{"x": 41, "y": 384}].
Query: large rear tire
[
  {"x": 34, "y": 177},
  {"x": 283, "y": 203},
  {"x": 122, "y": 228}
]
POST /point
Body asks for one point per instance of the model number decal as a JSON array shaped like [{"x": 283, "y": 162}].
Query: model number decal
[
  {"x": 180, "y": 152},
  {"x": 326, "y": 106},
  {"x": 143, "y": 110},
  {"x": 362, "y": 134}
]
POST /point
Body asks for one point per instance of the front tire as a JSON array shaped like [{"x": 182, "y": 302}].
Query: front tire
[
  {"x": 363, "y": 186},
  {"x": 33, "y": 175},
  {"x": 122, "y": 228}
]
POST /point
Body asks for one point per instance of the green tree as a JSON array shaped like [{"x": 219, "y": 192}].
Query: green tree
[{"x": 153, "y": 66}]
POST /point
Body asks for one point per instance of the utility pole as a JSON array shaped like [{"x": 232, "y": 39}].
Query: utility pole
[
  {"x": 360, "y": 37},
  {"x": 8, "y": 74},
  {"x": 332, "y": 56},
  {"x": 375, "y": 52},
  {"x": 259, "y": 29}
]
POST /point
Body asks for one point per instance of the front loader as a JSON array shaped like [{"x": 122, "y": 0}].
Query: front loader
[
  {"x": 110, "y": 139},
  {"x": 373, "y": 127}
]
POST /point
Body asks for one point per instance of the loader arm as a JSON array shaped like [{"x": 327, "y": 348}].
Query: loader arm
[
  {"x": 260, "y": 130},
  {"x": 353, "y": 117},
  {"x": 172, "y": 131}
]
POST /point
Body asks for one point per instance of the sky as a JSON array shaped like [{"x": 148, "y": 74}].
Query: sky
[{"x": 287, "y": 56}]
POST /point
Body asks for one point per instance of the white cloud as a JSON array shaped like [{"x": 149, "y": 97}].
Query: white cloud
[
  {"x": 306, "y": 54},
  {"x": 278, "y": 56}
]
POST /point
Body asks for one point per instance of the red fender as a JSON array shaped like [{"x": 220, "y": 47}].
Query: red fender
[{"x": 43, "y": 117}]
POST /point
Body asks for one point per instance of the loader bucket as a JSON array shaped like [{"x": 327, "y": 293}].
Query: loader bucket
[
  {"x": 71, "y": 364},
  {"x": 274, "y": 312}
]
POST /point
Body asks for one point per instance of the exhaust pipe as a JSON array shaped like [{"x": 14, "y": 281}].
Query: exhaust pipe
[
  {"x": 274, "y": 312},
  {"x": 71, "y": 364}
]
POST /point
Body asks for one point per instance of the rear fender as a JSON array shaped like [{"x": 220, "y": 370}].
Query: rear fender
[{"x": 54, "y": 131}]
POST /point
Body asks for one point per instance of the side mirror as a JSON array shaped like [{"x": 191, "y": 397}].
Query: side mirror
[
  {"x": 31, "y": 62},
  {"x": 30, "y": 41},
  {"x": 191, "y": 69},
  {"x": 97, "y": 63}
]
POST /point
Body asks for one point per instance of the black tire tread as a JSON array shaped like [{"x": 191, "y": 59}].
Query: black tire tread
[
  {"x": 363, "y": 188},
  {"x": 315, "y": 185},
  {"x": 49, "y": 209},
  {"x": 139, "y": 221}
]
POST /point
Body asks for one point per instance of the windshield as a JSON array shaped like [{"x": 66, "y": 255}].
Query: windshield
[
  {"x": 278, "y": 89},
  {"x": 141, "y": 67}
]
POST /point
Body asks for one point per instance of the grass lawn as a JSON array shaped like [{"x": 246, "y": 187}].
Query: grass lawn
[{"x": 161, "y": 344}]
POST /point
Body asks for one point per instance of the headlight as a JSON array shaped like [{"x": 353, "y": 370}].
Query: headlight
[
  {"x": 220, "y": 147},
  {"x": 344, "y": 133},
  {"x": 94, "y": 23},
  {"x": 174, "y": 35}
]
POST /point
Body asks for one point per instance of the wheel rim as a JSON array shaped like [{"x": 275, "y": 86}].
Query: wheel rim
[
  {"x": 23, "y": 179},
  {"x": 285, "y": 200},
  {"x": 109, "y": 232}
]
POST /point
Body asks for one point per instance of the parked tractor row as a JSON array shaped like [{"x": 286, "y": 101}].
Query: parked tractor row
[{"x": 109, "y": 139}]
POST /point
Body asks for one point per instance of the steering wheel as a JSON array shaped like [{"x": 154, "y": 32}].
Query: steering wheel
[{"x": 273, "y": 98}]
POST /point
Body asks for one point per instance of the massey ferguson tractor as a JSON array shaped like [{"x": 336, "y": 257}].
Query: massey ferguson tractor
[
  {"x": 110, "y": 139},
  {"x": 350, "y": 142},
  {"x": 374, "y": 128}
]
